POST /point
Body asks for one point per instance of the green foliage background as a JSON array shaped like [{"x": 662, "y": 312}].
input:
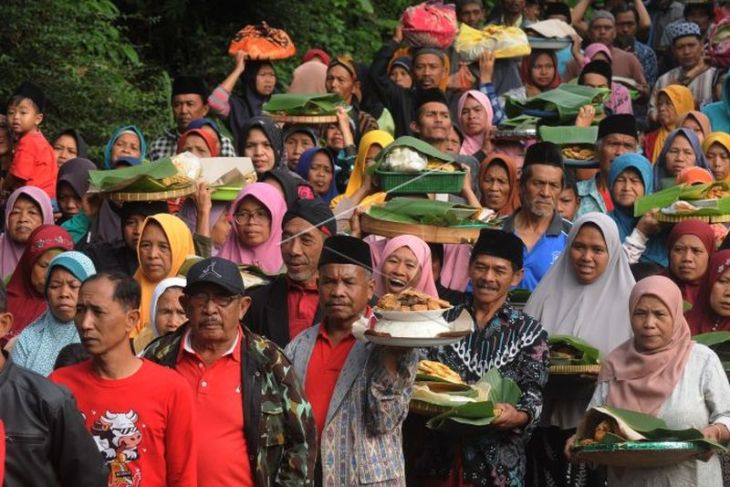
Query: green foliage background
[{"x": 106, "y": 63}]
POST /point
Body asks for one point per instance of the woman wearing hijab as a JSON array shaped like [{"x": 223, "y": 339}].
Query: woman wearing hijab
[
  {"x": 72, "y": 186},
  {"x": 27, "y": 208},
  {"x": 297, "y": 139},
  {"x": 256, "y": 216},
  {"x": 630, "y": 178},
  {"x": 584, "y": 294},
  {"x": 499, "y": 184},
  {"x": 69, "y": 145},
  {"x": 38, "y": 345},
  {"x": 405, "y": 263},
  {"x": 681, "y": 150},
  {"x": 201, "y": 142},
  {"x": 291, "y": 186},
  {"x": 125, "y": 141},
  {"x": 691, "y": 245},
  {"x": 318, "y": 169},
  {"x": 716, "y": 148},
  {"x": 539, "y": 73},
  {"x": 27, "y": 285},
  {"x": 697, "y": 122},
  {"x": 672, "y": 101},
  {"x": 475, "y": 119},
  {"x": 662, "y": 372},
  {"x": 261, "y": 141},
  {"x": 166, "y": 312},
  {"x": 359, "y": 189},
  {"x": 258, "y": 83},
  {"x": 164, "y": 244},
  {"x": 711, "y": 311}
]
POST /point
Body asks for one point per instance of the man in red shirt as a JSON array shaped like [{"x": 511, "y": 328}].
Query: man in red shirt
[
  {"x": 359, "y": 391},
  {"x": 289, "y": 304},
  {"x": 254, "y": 426},
  {"x": 139, "y": 413}
]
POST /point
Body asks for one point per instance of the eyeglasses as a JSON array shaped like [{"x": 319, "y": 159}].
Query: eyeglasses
[
  {"x": 201, "y": 299},
  {"x": 258, "y": 215}
]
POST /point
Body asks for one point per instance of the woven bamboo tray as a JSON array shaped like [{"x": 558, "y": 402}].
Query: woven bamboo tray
[
  {"x": 427, "y": 233},
  {"x": 157, "y": 196},
  {"x": 423, "y": 408},
  {"x": 302, "y": 119},
  {"x": 575, "y": 369},
  {"x": 638, "y": 453},
  {"x": 680, "y": 218}
]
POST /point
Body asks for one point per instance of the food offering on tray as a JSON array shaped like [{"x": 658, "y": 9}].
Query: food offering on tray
[
  {"x": 429, "y": 370},
  {"x": 569, "y": 350},
  {"x": 579, "y": 152},
  {"x": 411, "y": 314},
  {"x": 411, "y": 300},
  {"x": 261, "y": 42},
  {"x": 506, "y": 42},
  {"x": 708, "y": 201}
]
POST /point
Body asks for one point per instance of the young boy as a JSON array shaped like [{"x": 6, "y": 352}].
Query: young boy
[
  {"x": 34, "y": 162},
  {"x": 569, "y": 201}
]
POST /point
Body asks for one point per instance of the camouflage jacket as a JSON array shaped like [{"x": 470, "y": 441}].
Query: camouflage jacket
[{"x": 279, "y": 426}]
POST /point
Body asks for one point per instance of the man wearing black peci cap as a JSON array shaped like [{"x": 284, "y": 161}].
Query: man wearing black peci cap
[
  {"x": 359, "y": 391},
  {"x": 617, "y": 135},
  {"x": 254, "y": 426},
  {"x": 289, "y": 304},
  {"x": 189, "y": 102},
  {"x": 503, "y": 338},
  {"x": 538, "y": 223}
]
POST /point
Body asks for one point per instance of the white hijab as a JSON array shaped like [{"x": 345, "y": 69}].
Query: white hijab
[
  {"x": 598, "y": 312},
  {"x": 163, "y": 286}
]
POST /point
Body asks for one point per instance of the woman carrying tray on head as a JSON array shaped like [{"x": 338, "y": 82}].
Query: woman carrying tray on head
[
  {"x": 662, "y": 372},
  {"x": 584, "y": 294}
]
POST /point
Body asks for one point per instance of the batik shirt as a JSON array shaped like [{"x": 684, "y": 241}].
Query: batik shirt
[{"x": 516, "y": 345}]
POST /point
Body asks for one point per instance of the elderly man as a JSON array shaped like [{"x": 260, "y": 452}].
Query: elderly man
[
  {"x": 692, "y": 72},
  {"x": 602, "y": 29},
  {"x": 139, "y": 413},
  {"x": 254, "y": 426},
  {"x": 359, "y": 391},
  {"x": 538, "y": 223},
  {"x": 289, "y": 304},
  {"x": 506, "y": 339},
  {"x": 617, "y": 134},
  {"x": 189, "y": 102},
  {"x": 46, "y": 445}
]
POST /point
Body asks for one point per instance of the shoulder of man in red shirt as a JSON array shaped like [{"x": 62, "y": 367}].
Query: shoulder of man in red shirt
[{"x": 34, "y": 160}]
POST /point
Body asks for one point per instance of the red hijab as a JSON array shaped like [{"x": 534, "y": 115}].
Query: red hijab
[
  {"x": 529, "y": 61},
  {"x": 702, "y": 318},
  {"x": 24, "y": 302},
  {"x": 513, "y": 197},
  {"x": 703, "y": 231},
  {"x": 210, "y": 140}
]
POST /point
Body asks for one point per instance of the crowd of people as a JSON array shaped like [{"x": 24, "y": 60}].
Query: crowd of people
[{"x": 133, "y": 354}]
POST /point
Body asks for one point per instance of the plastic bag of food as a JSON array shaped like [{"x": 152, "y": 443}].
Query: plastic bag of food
[
  {"x": 719, "y": 45},
  {"x": 506, "y": 42},
  {"x": 403, "y": 159},
  {"x": 261, "y": 42},
  {"x": 188, "y": 165},
  {"x": 429, "y": 24}
]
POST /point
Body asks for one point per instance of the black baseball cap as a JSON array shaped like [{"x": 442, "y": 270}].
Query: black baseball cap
[{"x": 218, "y": 271}]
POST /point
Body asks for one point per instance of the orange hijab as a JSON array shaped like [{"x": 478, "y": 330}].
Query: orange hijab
[
  {"x": 513, "y": 197},
  {"x": 683, "y": 101}
]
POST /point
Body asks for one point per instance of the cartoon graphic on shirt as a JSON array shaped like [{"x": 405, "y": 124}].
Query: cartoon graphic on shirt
[{"x": 118, "y": 438}]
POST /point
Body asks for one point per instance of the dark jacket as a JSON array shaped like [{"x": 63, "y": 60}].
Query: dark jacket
[
  {"x": 279, "y": 427},
  {"x": 269, "y": 312},
  {"x": 46, "y": 441}
]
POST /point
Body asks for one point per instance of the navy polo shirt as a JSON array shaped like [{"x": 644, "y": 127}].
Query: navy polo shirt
[{"x": 545, "y": 252}]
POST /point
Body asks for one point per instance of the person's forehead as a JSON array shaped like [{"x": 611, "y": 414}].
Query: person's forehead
[
  {"x": 434, "y": 106},
  {"x": 686, "y": 41},
  {"x": 298, "y": 136},
  {"x": 470, "y": 7},
  {"x": 341, "y": 270},
  {"x": 298, "y": 226},
  {"x": 428, "y": 58},
  {"x": 491, "y": 261},
  {"x": 602, "y": 23},
  {"x": 625, "y": 17},
  {"x": 546, "y": 171},
  {"x": 620, "y": 138},
  {"x": 98, "y": 291},
  {"x": 186, "y": 97}
]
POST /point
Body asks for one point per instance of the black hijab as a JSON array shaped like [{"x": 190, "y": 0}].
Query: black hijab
[
  {"x": 248, "y": 103},
  {"x": 272, "y": 132},
  {"x": 82, "y": 149}
]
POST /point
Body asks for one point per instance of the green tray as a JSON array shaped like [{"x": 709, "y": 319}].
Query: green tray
[
  {"x": 639, "y": 453},
  {"x": 225, "y": 193},
  {"x": 419, "y": 182}
]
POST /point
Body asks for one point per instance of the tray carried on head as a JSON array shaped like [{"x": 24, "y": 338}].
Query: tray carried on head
[
  {"x": 427, "y": 233},
  {"x": 575, "y": 369},
  {"x": 638, "y": 453},
  {"x": 664, "y": 218},
  {"x": 156, "y": 196},
  {"x": 302, "y": 119}
]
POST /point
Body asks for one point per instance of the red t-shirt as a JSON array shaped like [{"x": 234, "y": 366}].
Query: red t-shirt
[
  {"x": 324, "y": 368},
  {"x": 142, "y": 424},
  {"x": 303, "y": 302},
  {"x": 223, "y": 456},
  {"x": 34, "y": 162}
]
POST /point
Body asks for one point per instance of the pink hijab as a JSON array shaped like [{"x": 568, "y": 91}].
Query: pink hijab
[
  {"x": 473, "y": 143},
  {"x": 10, "y": 251},
  {"x": 642, "y": 381},
  {"x": 423, "y": 254},
  {"x": 594, "y": 49},
  {"x": 266, "y": 256}
]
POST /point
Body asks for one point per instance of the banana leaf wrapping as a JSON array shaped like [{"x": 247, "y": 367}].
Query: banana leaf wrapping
[
  {"x": 562, "y": 103},
  {"x": 569, "y": 135},
  {"x": 161, "y": 175},
  {"x": 633, "y": 426},
  {"x": 295, "y": 104},
  {"x": 582, "y": 353},
  {"x": 684, "y": 192},
  {"x": 474, "y": 416},
  {"x": 719, "y": 342},
  {"x": 425, "y": 212}
]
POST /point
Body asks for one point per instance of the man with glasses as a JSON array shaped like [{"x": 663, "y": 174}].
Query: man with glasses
[{"x": 253, "y": 425}]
